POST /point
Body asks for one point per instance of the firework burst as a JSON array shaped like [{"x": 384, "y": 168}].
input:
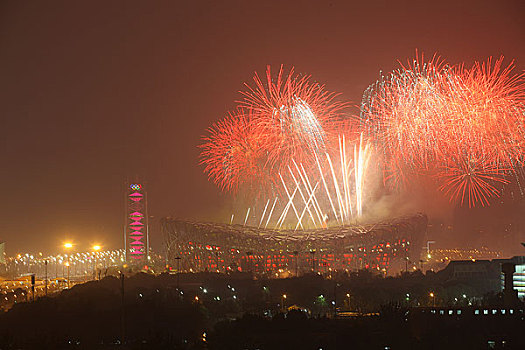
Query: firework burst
[
  {"x": 297, "y": 116},
  {"x": 289, "y": 119},
  {"x": 465, "y": 124},
  {"x": 471, "y": 181},
  {"x": 234, "y": 154}
]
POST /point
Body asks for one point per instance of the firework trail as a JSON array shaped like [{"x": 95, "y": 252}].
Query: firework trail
[
  {"x": 351, "y": 161},
  {"x": 361, "y": 158}
]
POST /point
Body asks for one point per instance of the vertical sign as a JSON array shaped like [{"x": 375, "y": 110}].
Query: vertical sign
[{"x": 137, "y": 222}]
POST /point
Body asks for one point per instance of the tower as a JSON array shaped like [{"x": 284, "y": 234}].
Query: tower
[{"x": 136, "y": 233}]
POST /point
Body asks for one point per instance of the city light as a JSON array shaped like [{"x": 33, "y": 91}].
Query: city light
[{"x": 433, "y": 296}]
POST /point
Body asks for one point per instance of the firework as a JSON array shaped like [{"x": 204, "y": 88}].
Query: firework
[
  {"x": 464, "y": 126},
  {"x": 471, "y": 180},
  {"x": 349, "y": 165},
  {"x": 281, "y": 142},
  {"x": 290, "y": 140},
  {"x": 233, "y": 154},
  {"x": 287, "y": 119},
  {"x": 296, "y": 116},
  {"x": 402, "y": 114}
]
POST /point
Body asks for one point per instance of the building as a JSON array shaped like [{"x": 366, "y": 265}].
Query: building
[
  {"x": 487, "y": 275},
  {"x": 198, "y": 246}
]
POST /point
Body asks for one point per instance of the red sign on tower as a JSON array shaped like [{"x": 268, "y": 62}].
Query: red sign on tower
[{"x": 136, "y": 236}]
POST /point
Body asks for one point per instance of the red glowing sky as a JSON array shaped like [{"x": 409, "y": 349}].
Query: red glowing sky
[{"x": 95, "y": 92}]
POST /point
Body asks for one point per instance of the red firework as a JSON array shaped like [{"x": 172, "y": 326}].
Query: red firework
[
  {"x": 472, "y": 181},
  {"x": 287, "y": 120},
  {"x": 490, "y": 110},
  {"x": 298, "y": 117},
  {"x": 465, "y": 125},
  {"x": 233, "y": 153}
]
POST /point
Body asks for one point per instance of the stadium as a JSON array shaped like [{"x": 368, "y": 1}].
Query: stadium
[{"x": 215, "y": 247}]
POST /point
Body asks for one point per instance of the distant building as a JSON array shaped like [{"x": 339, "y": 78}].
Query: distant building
[
  {"x": 487, "y": 275},
  {"x": 518, "y": 277},
  {"x": 482, "y": 274}
]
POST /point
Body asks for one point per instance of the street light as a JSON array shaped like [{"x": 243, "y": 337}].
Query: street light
[
  {"x": 283, "y": 302},
  {"x": 67, "y": 246},
  {"x": 67, "y": 264},
  {"x": 428, "y": 249},
  {"x": 433, "y": 296},
  {"x": 46, "y": 276},
  {"x": 313, "y": 260},
  {"x": 96, "y": 248},
  {"x": 178, "y": 258}
]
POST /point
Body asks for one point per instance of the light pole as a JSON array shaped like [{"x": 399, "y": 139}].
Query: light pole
[
  {"x": 433, "y": 296},
  {"x": 96, "y": 248},
  {"x": 334, "y": 303},
  {"x": 283, "y": 302},
  {"x": 428, "y": 249},
  {"x": 68, "y": 246},
  {"x": 178, "y": 270},
  {"x": 67, "y": 264},
  {"x": 313, "y": 260},
  {"x": 46, "y": 276}
]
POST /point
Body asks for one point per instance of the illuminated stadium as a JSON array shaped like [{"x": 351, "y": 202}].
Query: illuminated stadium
[{"x": 199, "y": 246}]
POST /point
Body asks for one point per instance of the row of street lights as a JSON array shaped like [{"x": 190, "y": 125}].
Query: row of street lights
[{"x": 68, "y": 246}]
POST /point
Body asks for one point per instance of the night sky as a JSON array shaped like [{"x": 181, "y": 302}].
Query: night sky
[{"x": 95, "y": 92}]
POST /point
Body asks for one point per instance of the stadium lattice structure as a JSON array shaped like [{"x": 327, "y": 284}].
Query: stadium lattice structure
[{"x": 201, "y": 246}]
